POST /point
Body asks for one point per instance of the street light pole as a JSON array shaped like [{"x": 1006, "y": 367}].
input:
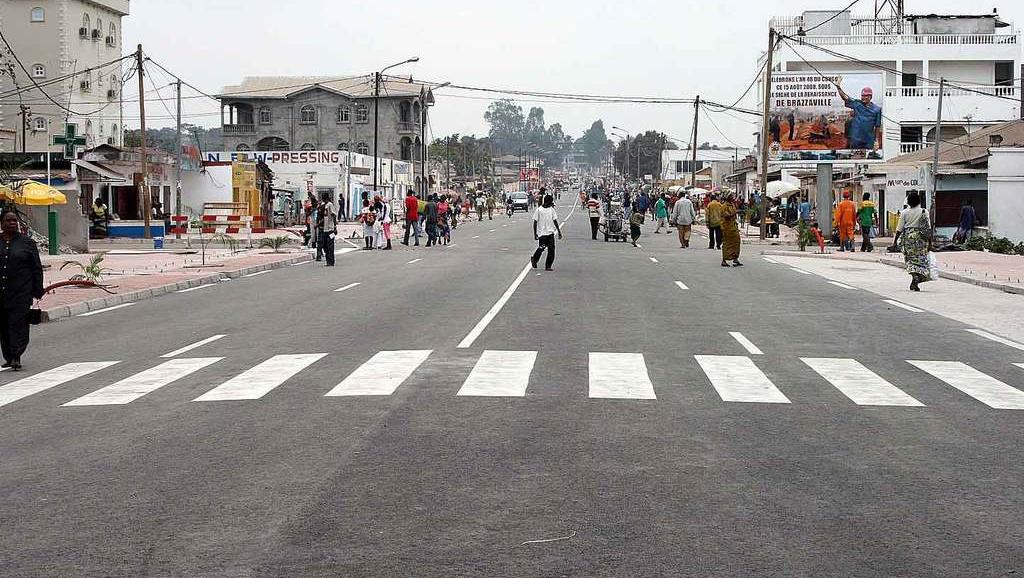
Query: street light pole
[{"x": 377, "y": 76}]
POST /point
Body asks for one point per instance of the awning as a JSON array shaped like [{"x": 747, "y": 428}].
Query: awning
[{"x": 107, "y": 175}]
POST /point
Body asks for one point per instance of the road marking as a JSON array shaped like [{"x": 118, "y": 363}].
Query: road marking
[
  {"x": 301, "y": 263},
  {"x": 492, "y": 230},
  {"x": 988, "y": 390},
  {"x": 382, "y": 374},
  {"x": 840, "y": 285},
  {"x": 619, "y": 376},
  {"x": 736, "y": 378},
  {"x": 859, "y": 383},
  {"x": 800, "y": 271},
  {"x": 195, "y": 345},
  {"x": 682, "y": 286},
  {"x": 414, "y": 261},
  {"x": 476, "y": 237},
  {"x": 197, "y": 288},
  {"x": 114, "y": 308},
  {"x": 500, "y": 374},
  {"x": 346, "y": 250},
  {"x": 131, "y": 388},
  {"x": 653, "y": 260},
  {"x": 260, "y": 380},
  {"x": 347, "y": 287},
  {"x": 23, "y": 388},
  {"x": 468, "y": 340},
  {"x": 996, "y": 338},
  {"x": 746, "y": 343},
  {"x": 903, "y": 306},
  {"x": 504, "y": 225},
  {"x": 257, "y": 273},
  {"x": 772, "y": 261}
]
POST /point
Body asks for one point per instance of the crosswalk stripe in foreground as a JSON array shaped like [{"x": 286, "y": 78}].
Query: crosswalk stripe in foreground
[{"x": 508, "y": 373}]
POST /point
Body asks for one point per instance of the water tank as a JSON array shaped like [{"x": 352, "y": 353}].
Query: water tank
[{"x": 839, "y": 25}]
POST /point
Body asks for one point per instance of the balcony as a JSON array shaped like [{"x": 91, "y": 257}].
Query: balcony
[
  {"x": 238, "y": 129},
  {"x": 913, "y": 147},
  {"x": 411, "y": 128},
  {"x": 970, "y": 103}
]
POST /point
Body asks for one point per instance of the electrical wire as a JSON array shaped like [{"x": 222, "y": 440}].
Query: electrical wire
[{"x": 707, "y": 115}]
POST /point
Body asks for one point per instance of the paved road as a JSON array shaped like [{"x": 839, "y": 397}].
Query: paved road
[{"x": 637, "y": 412}]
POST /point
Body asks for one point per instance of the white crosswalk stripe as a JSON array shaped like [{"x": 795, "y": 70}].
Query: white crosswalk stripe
[
  {"x": 859, "y": 383},
  {"x": 619, "y": 376},
  {"x": 262, "y": 379},
  {"x": 131, "y": 388},
  {"x": 500, "y": 374},
  {"x": 382, "y": 374},
  {"x": 984, "y": 388},
  {"x": 23, "y": 388},
  {"x": 736, "y": 378}
]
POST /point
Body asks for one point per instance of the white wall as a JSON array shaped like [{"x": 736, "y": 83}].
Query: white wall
[
  {"x": 210, "y": 186},
  {"x": 1006, "y": 193},
  {"x": 964, "y": 71}
]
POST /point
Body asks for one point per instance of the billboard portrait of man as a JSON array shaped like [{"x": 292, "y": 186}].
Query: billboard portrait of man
[{"x": 866, "y": 125}]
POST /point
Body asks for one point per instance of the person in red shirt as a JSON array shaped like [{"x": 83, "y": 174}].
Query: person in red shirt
[{"x": 412, "y": 217}]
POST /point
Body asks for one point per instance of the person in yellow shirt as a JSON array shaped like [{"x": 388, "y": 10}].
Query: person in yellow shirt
[
  {"x": 867, "y": 215},
  {"x": 714, "y": 222}
]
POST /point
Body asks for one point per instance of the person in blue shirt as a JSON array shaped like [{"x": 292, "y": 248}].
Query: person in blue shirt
[
  {"x": 866, "y": 127},
  {"x": 805, "y": 211}
]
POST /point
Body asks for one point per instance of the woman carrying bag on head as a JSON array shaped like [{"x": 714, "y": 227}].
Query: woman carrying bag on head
[{"x": 21, "y": 280}]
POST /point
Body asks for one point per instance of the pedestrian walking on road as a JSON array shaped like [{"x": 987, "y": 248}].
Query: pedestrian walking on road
[
  {"x": 730, "y": 233},
  {"x": 368, "y": 218},
  {"x": 661, "y": 214},
  {"x": 683, "y": 217},
  {"x": 866, "y": 216},
  {"x": 713, "y": 217},
  {"x": 22, "y": 280},
  {"x": 431, "y": 214},
  {"x": 328, "y": 225},
  {"x": 635, "y": 220},
  {"x": 846, "y": 218},
  {"x": 915, "y": 231},
  {"x": 594, "y": 210},
  {"x": 444, "y": 231},
  {"x": 383, "y": 209},
  {"x": 480, "y": 207},
  {"x": 491, "y": 205},
  {"x": 341, "y": 207},
  {"x": 545, "y": 226},
  {"x": 412, "y": 218}
]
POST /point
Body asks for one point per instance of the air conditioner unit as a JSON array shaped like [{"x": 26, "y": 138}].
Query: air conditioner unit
[
  {"x": 111, "y": 94},
  {"x": 85, "y": 86},
  {"x": 96, "y": 34},
  {"x": 83, "y": 32},
  {"x": 110, "y": 41}
]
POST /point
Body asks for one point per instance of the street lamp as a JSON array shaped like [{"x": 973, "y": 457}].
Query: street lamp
[
  {"x": 625, "y": 161},
  {"x": 423, "y": 143},
  {"x": 376, "y": 113}
]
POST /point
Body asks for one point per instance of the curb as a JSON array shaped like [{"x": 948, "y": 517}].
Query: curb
[
  {"x": 1015, "y": 289},
  {"x": 149, "y": 292}
]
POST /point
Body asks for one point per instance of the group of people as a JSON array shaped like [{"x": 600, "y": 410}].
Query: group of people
[
  {"x": 438, "y": 215},
  {"x": 849, "y": 216},
  {"x": 321, "y": 226}
]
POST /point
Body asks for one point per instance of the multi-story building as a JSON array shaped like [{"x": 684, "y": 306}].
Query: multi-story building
[
  {"x": 980, "y": 55},
  {"x": 63, "y": 45},
  {"x": 328, "y": 113}
]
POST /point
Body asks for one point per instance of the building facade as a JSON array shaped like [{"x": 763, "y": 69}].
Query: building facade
[
  {"x": 677, "y": 165},
  {"x": 980, "y": 54},
  {"x": 63, "y": 45},
  {"x": 321, "y": 113}
]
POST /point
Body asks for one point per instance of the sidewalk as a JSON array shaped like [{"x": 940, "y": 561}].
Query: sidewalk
[
  {"x": 1002, "y": 272},
  {"x": 139, "y": 275}
]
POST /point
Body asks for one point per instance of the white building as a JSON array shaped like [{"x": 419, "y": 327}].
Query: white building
[
  {"x": 981, "y": 55},
  {"x": 56, "y": 39}
]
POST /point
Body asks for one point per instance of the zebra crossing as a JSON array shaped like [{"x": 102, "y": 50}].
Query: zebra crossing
[{"x": 508, "y": 374}]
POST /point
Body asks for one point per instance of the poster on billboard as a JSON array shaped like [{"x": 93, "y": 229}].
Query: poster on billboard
[{"x": 826, "y": 118}]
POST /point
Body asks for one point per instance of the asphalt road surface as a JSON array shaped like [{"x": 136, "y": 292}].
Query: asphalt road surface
[{"x": 636, "y": 412}]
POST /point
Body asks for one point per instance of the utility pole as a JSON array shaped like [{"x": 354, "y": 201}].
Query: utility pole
[
  {"x": 935, "y": 155},
  {"x": 376, "y": 122},
  {"x": 693, "y": 144},
  {"x": 765, "y": 138},
  {"x": 1021, "y": 93},
  {"x": 24, "y": 126},
  {"x": 146, "y": 199},
  {"x": 177, "y": 177}
]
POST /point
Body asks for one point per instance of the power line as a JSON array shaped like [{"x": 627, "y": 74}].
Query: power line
[{"x": 712, "y": 121}]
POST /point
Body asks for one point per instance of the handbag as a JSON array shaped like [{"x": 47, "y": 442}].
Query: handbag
[
  {"x": 933, "y": 267},
  {"x": 35, "y": 316}
]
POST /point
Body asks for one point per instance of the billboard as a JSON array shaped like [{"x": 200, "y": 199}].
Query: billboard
[{"x": 826, "y": 118}]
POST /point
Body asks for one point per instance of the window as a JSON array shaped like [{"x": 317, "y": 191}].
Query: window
[
  {"x": 40, "y": 124},
  {"x": 343, "y": 146},
  {"x": 308, "y": 146},
  {"x": 405, "y": 149},
  {"x": 362, "y": 148},
  {"x": 38, "y": 15},
  {"x": 113, "y": 35},
  {"x": 362, "y": 113},
  {"x": 404, "y": 111},
  {"x": 265, "y": 116},
  {"x": 307, "y": 114},
  {"x": 38, "y": 71},
  {"x": 99, "y": 24},
  {"x": 86, "y": 23},
  {"x": 344, "y": 114},
  {"x": 242, "y": 147}
]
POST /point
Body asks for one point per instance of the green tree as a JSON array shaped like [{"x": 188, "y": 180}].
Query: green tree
[
  {"x": 594, "y": 143},
  {"x": 508, "y": 126},
  {"x": 649, "y": 146}
]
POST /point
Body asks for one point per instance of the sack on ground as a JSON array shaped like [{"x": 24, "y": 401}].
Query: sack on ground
[{"x": 933, "y": 267}]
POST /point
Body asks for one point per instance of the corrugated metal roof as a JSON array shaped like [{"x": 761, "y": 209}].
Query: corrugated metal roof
[
  {"x": 968, "y": 149},
  {"x": 351, "y": 86}
]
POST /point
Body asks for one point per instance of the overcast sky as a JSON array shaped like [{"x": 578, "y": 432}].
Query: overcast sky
[{"x": 677, "y": 48}]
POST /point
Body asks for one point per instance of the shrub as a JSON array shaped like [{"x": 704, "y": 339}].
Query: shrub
[
  {"x": 1002, "y": 245},
  {"x": 275, "y": 243},
  {"x": 976, "y": 243}
]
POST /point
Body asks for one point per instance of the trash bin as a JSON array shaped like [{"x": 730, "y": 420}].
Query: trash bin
[{"x": 158, "y": 242}]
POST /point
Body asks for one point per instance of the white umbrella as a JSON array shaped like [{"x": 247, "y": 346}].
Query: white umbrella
[{"x": 777, "y": 189}]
